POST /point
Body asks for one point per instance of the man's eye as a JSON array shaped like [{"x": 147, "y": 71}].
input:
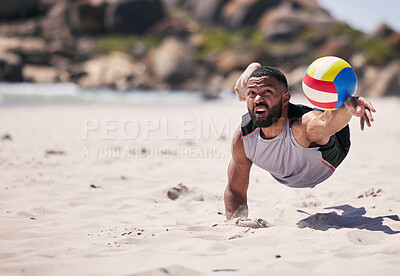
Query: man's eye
[{"x": 251, "y": 93}]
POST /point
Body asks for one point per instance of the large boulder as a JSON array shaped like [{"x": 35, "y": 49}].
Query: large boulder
[
  {"x": 337, "y": 46},
  {"x": 170, "y": 3},
  {"x": 31, "y": 50},
  {"x": 206, "y": 10},
  {"x": 172, "y": 61},
  {"x": 132, "y": 16},
  {"x": 287, "y": 21},
  {"x": 237, "y": 13},
  {"x": 380, "y": 81},
  {"x": 114, "y": 71},
  {"x": 40, "y": 74},
  {"x": 10, "y": 67},
  {"x": 86, "y": 16},
  {"x": 390, "y": 37},
  {"x": 231, "y": 60},
  {"x": 12, "y": 9}
]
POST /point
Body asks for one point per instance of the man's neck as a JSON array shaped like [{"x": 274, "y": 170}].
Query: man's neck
[{"x": 273, "y": 130}]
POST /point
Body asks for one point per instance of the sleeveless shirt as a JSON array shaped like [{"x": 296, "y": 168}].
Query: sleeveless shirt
[{"x": 285, "y": 159}]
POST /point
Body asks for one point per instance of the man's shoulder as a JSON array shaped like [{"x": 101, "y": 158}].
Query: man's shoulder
[
  {"x": 296, "y": 112},
  {"x": 247, "y": 126}
]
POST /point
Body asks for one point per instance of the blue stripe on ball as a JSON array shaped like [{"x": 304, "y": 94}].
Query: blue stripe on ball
[{"x": 346, "y": 85}]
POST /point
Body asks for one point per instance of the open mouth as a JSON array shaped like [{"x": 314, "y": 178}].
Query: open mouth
[{"x": 260, "y": 111}]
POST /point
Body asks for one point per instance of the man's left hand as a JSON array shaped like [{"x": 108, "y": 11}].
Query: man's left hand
[{"x": 360, "y": 107}]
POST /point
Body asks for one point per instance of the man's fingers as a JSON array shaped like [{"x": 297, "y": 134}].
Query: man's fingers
[
  {"x": 367, "y": 121},
  {"x": 369, "y": 115},
  {"x": 369, "y": 106},
  {"x": 362, "y": 123}
]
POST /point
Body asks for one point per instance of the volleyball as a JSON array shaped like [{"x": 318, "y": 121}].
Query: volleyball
[{"x": 328, "y": 82}]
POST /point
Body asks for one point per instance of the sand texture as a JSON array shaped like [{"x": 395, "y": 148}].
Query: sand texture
[{"x": 143, "y": 195}]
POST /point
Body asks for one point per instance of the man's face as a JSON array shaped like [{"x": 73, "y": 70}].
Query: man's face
[{"x": 264, "y": 100}]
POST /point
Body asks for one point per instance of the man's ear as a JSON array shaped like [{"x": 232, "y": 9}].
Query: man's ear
[{"x": 286, "y": 98}]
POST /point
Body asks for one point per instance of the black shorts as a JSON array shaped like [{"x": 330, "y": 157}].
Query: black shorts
[{"x": 337, "y": 148}]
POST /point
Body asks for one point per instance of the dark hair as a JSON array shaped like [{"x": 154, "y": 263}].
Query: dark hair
[{"x": 264, "y": 71}]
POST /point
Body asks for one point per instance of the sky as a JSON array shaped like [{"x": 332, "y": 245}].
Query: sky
[{"x": 365, "y": 15}]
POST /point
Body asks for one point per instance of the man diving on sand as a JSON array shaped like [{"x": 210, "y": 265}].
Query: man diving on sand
[{"x": 298, "y": 145}]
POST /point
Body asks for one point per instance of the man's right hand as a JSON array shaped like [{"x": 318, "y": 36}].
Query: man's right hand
[
  {"x": 235, "y": 195},
  {"x": 240, "y": 86}
]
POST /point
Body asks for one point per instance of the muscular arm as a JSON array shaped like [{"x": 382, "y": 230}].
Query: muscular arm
[
  {"x": 319, "y": 126},
  {"x": 235, "y": 195}
]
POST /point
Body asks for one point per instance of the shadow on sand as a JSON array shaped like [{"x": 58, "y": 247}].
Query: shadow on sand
[{"x": 350, "y": 218}]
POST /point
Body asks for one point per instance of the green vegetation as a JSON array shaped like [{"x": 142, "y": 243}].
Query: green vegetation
[
  {"x": 135, "y": 45},
  {"x": 216, "y": 39}
]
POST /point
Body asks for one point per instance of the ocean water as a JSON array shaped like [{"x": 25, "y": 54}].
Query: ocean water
[{"x": 57, "y": 93}]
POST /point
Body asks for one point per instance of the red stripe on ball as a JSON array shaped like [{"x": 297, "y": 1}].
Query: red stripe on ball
[
  {"x": 330, "y": 105},
  {"x": 325, "y": 86}
]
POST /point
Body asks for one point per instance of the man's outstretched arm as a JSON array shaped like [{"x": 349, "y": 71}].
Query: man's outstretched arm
[
  {"x": 235, "y": 195},
  {"x": 320, "y": 126}
]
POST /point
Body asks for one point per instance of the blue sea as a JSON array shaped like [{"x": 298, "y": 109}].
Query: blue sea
[{"x": 57, "y": 93}]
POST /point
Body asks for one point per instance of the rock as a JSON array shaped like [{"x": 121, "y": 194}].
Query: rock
[
  {"x": 24, "y": 44},
  {"x": 11, "y": 9},
  {"x": 358, "y": 61},
  {"x": 172, "y": 61},
  {"x": 29, "y": 27},
  {"x": 380, "y": 81},
  {"x": 287, "y": 21},
  {"x": 86, "y": 16},
  {"x": 390, "y": 37},
  {"x": 178, "y": 27},
  {"x": 231, "y": 60},
  {"x": 213, "y": 86},
  {"x": 114, "y": 70},
  {"x": 55, "y": 25},
  {"x": 295, "y": 78},
  {"x": 31, "y": 50},
  {"x": 40, "y": 74},
  {"x": 132, "y": 16},
  {"x": 168, "y": 4},
  {"x": 337, "y": 46},
  {"x": 10, "y": 67},
  {"x": 237, "y": 13},
  {"x": 206, "y": 10}
]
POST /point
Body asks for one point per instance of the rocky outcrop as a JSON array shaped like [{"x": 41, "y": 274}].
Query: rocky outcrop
[
  {"x": 40, "y": 74},
  {"x": 10, "y": 67},
  {"x": 286, "y": 21},
  {"x": 206, "y": 10},
  {"x": 132, "y": 16},
  {"x": 112, "y": 16},
  {"x": 172, "y": 61},
  {"x": 196, "y": 45},
  {"x": 237, "y": 13},
  {"x": 113, "y": 71},
  {"x": 390, "y": 37},
  {"x": 382, "y": 81},
  {"x": 86, "y": 16},
  {"x": 11, "y": 9}
]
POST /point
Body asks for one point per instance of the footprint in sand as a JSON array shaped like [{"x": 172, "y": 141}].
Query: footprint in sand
[
  {"x": 252, "y": 223},
  {"x": 170, "y": 270},
  {"x": 175, "y": 192},
  {"x": 371, "y": 193},
  {"x": 181, "y": 190}
]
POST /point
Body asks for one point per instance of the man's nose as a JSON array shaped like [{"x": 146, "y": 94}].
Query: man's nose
[{"x": 258, "y": 98}]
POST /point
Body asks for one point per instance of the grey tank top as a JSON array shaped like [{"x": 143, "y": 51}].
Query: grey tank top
[{"x": 285, "y": 159}]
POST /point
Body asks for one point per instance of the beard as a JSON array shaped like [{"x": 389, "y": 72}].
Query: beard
[{"x": 274, "y": 114}]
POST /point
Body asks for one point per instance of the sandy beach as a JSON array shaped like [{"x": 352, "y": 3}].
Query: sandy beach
[{"x": 91, "y": 189}]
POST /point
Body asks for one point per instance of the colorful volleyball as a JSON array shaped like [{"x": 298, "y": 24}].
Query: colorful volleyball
[{"x": 328, "y": 82}]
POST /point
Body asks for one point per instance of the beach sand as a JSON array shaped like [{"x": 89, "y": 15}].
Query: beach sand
[{"x": 138, "y": 190}]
